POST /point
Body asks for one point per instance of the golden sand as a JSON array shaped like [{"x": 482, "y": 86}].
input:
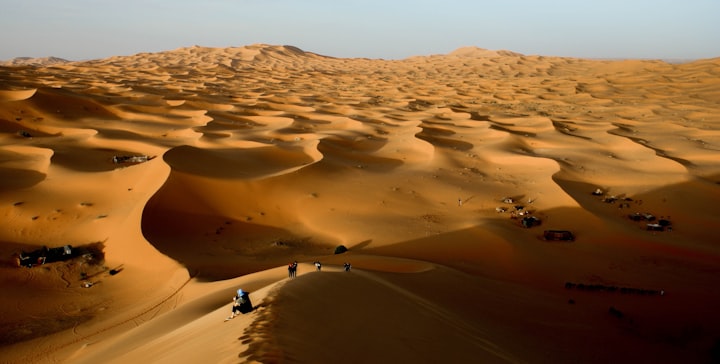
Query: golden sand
[{"x": 262, "y": 155}]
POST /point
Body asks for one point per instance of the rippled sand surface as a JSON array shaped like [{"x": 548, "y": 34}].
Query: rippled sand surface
[{"x": 423, "y": 168}]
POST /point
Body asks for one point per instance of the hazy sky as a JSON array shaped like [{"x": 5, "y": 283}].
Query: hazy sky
[{"x": 391, "y": 29}]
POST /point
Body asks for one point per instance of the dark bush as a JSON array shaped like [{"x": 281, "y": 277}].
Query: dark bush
[{"x": 340, "y": 249}]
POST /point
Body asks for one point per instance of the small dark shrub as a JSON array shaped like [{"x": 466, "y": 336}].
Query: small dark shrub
[{"x": 340, "y": 249}]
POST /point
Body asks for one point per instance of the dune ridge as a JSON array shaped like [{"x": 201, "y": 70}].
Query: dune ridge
[
  {"x": 260, "y": 155},
  {"x": 31, "y": 61}
]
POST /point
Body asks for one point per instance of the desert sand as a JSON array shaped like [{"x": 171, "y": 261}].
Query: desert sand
[{"x": 423, "y": 168}]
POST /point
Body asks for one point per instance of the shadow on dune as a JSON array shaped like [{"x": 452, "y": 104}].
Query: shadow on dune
[
  {"x": 87, "y": 159},
  {"x": 15, "y": 332},
  {"x": 23, "y": 283},
  {"x": 693, "y": 199},
  {"x": 439, "y": 139},
  {"x": 120, "y": 134},
  {"x": 9, "y": 252},
  {"x": 234, "y": 162},
  {"x": 350, "y": 154},
  {"x": 505, "y": 128},
  {"x": 628, "y": 131},
  {"x": 527, "y": 274},
  {"x": 66, "y": 104},
  {"x": 361, "y": 245},
  {"x": 22, "y": 131},
  {"x": 406, "y": 320},
  {"x": 565, "y": 127},
  {"x": 16, "y": 178},
  {"x": 214, "y": 247}
]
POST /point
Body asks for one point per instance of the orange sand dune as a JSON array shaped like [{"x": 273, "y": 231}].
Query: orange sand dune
[{"x": 181, "y": 176}]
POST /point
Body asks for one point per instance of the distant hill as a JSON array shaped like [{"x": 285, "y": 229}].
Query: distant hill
[
  {"x": 232, "y": 56},
  {"x": 29, "y": 61},
  {"x": 481, "y": 52},
  {"x": 256, "y": 55}
]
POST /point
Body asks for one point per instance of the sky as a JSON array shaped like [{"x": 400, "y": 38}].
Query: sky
[{"x": 388, "y": 29}]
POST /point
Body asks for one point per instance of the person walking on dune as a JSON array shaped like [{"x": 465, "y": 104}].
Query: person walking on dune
[
  {"x": 318, "y": 266},
  {"x": 292, "y": 269}
]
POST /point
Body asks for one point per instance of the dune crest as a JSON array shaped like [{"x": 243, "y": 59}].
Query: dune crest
[
  {"x": 186, "y": 174},
  {"x": 30, "y": 61},
  {"x": 16, "y": 95},
  {"x": 475, "y": 52}
]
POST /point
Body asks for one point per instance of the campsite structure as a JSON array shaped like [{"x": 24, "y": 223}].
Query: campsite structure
[
  {"x": 46, "y": 255},
  {"x": 558, "y": 235},
  {"x": 131, "y": 159},
  {"x": 92, "y": 253}
]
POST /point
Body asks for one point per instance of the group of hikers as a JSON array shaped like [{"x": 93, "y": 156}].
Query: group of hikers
[
  {"x": 292, "y": 268},
  {"x": 241, "y": 301}
]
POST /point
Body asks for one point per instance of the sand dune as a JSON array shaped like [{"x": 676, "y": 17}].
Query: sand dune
[
  {"x": 252, "y": 157},
  {"x": 25, "y": 61}
]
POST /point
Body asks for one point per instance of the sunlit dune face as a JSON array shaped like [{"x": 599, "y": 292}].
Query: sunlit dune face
[{"x": 492, "y": 177}]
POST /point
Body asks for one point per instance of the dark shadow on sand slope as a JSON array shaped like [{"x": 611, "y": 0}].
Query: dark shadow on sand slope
[
  {"x": 349, "y": 153},
  {"x": 66, "y": 104},
  {"x": 121, "y": 134},
  {"x": 216, "y": 247},
  {"x": 419, "y": 327},
  {"x": 361, "y": 245},
  {"x": 60, "y": 277},
  {"x": 87, "y": 159},
  {"x": 474, "y": 115},
  {"x": 702, "y": 193},
  {"x": 505, "y": 127},
  {"x": 49, "y": 323},
  {"x": 623, "y": 131},
  {"x": 235, "y": 163},
  {"x": 519, "y": 259},
  {"x": 21, "y": 131},
  {"x": 15, "y": 178},
  {"x": 567, "y": 129},
  {"x": 439, "y": 139},
  {"x": 222, "y": 123}
]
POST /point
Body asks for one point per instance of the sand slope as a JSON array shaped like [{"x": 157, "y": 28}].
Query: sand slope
[{"x": 261, "y": 155}]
